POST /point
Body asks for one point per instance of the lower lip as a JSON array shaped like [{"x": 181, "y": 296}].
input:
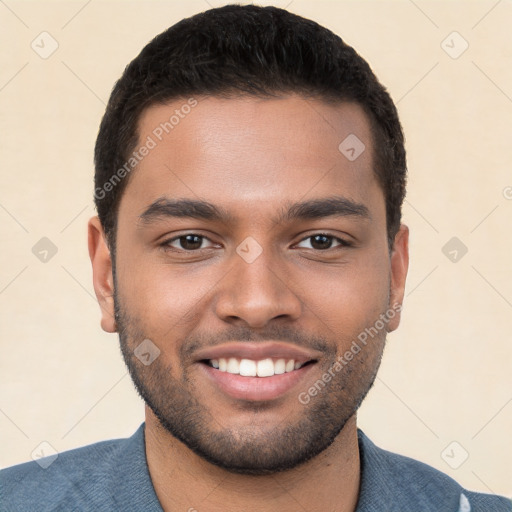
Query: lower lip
[{"x": 255, "y": 388}]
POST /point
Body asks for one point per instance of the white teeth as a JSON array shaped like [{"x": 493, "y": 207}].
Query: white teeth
[
  {"x": 290, "y": 365},
  {"x": 249, "y": 368},
  {"x": 265, "y": 368},
  {"x": 233, "y": 365},
  {"x": 279, "y": 366}
]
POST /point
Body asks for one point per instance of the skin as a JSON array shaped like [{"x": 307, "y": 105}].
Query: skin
[{"x": 251, "y": 157}]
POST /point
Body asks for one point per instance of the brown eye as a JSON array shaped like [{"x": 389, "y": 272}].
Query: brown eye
[
  {"x": 188, "y": 242},
  {"x": 191, "y": 242},
  {"x": 322, "y": 242}
]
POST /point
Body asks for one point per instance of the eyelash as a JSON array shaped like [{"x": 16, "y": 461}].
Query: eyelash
[{"x": 166, "y": 245}]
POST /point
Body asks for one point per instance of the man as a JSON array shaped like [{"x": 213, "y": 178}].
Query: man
[{"x": 248, "y": 249}]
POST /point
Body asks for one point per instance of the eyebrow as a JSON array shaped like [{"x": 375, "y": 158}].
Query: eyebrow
[{"x": 334, "y": 206}]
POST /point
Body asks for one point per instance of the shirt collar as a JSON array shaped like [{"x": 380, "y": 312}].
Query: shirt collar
[
  {"x": 396, "y": 483},
  {"x": 130, "y": 482},
  {"x": 388, "y": 481}
]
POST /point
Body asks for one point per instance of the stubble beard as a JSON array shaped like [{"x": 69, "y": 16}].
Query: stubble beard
[{"x": 254, "y": 448}]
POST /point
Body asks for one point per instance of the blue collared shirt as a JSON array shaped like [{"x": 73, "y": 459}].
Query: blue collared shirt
[{"x": 113, "y": 476}]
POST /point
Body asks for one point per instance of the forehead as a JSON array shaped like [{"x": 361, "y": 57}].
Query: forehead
[{"x": 248, "y": 151}]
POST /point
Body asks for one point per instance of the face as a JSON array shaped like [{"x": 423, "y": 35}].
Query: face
[{"x": 251, "y": 254}]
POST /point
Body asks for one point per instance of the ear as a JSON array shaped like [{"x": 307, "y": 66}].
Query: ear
[
  {"x": 103, "y": 280},
  {"x": 399, "y": 267}
]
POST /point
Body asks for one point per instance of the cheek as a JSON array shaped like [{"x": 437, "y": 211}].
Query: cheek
[
  {"x": 165, "y": 299},
  {"x": 350, "y": 298}
]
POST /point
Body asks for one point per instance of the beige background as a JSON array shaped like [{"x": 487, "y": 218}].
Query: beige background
[{"x": 446, "y": 374}]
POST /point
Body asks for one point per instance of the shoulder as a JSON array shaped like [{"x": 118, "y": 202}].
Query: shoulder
[
  {"x": 72, "y": 476},
  {"x": 403, "y": 484},
  {"x": 81, "y": 479}
]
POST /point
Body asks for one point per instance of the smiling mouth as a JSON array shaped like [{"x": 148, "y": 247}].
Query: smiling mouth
[{"x": 267, "y": 367}]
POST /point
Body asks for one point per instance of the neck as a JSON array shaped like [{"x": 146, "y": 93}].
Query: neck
[{"x": 184, "y": 481}]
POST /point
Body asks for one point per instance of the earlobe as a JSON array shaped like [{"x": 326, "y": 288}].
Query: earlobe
[
  {"x": 399, "y": 267},
  {"x": 103, "y": 281}
]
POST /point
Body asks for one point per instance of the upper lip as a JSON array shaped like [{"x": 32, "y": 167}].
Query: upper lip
[{"x": 257, "y": 351}]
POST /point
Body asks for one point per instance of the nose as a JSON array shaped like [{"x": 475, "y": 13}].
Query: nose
[{"x": 253, "y": 293}]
